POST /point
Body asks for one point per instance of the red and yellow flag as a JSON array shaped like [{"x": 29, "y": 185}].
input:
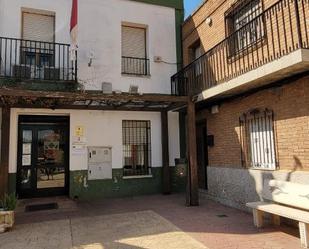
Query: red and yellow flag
[{"x": 74, "y": 28}]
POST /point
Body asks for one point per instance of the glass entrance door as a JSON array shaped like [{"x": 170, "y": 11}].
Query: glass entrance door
[{"x": 42, "y": 160}]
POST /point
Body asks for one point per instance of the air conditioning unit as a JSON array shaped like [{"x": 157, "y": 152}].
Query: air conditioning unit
[
  {"x": 34, "y": 72},
  {"x": 107, "y": 87},
  {"x": 22, "y": 71},
  {"x": 51, "y": 73},
  {"x": 133, "y": 89}
]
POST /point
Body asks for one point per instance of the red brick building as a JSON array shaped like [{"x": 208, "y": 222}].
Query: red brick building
[{"x": 246, "y": 66}]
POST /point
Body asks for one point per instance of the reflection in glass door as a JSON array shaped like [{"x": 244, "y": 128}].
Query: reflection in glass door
[
  {"x": 50, "y": 159},
  {"x": 26, "y": 160},
  {"x": 42, "y": 159}
]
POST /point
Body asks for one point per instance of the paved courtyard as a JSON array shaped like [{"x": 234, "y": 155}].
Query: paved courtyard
[{"x": 149, "y": 222}]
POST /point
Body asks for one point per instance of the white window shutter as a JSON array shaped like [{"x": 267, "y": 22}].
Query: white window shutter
[
  {"x": 133, "y": 42},
  {"x": 262, "y": 143},
  {"x": 38, "y": 27}
]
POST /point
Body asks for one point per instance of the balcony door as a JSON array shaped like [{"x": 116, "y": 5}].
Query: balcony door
[
  {"x": 38, "y": 48},
  {"x": 43, "y": 156}
]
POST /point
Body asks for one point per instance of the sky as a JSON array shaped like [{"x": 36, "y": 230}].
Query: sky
[{"x": 191, "y": 5}]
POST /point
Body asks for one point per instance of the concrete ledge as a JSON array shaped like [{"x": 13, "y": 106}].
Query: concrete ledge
[
  {"x": 137, "y": 177},
  {"x": 288, "y": 65}
]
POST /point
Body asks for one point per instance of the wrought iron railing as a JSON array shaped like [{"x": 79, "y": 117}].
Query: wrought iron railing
[
  {"x": 36, "y": 60},
  {"x": 276, "y": 32},
  {"x": 135, "y": 66}
]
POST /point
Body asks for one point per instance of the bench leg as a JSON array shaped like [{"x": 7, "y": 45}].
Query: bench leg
[
  {"x": 304, "y": 234},
  {"x": 258, "y": 218},
  {"x": 276, "y": 220}
]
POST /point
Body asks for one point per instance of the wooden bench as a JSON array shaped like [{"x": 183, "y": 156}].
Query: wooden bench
[{"x": 284, "y": 199}]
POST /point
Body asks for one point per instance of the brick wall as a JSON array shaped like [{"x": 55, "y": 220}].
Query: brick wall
[
  {"x": 290, "y": 104},
  {"x": 196, "y": 28}
]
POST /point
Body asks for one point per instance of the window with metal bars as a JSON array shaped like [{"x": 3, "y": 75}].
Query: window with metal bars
[
  {"x": 136, "y": 137},
  {"x": 258, "y": 139},
  {"x": 243, "y": 26},
  {"x": 134, "y": 51}
]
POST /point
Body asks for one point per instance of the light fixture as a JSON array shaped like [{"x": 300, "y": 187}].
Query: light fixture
[
  {"x": 215, "y": 109},
  {"x": 208, "y": 21}
]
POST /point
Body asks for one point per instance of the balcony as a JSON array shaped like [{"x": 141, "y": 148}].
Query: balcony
[
  {"x": 272, "y": 46},
  {"x": 135, "y": 66},
  {"x": 35, "y": 61}
]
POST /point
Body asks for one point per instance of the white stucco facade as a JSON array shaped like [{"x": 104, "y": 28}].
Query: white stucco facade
[
  {"x": 102, "y": 128},
  {"x": 99, "y": 33}
]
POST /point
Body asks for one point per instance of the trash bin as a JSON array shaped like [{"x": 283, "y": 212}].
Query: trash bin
[
  {"x": 180, "y": 175},
  {"x": 181, "y": 167}
]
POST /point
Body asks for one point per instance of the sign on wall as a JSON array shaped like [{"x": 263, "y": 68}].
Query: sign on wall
[{"x": 79, "y": 131}]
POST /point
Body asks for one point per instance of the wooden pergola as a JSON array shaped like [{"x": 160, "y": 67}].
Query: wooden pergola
[{"x": 95, "y": 100}]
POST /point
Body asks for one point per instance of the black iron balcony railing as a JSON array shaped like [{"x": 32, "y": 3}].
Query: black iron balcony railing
[
  {"x": 135, "y": 66},
  {"x": 278, "y": 31},
  {"x": 35, "y": 60}
]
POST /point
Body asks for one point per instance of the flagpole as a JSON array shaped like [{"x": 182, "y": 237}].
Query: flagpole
[{"x": 73, "y": 34}]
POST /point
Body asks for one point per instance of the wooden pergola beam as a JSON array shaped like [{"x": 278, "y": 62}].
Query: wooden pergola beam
[
  {"x": 91, "y": 108},
  {"x": 92, "y": 95},
  {"x": 5, "y": 143},
  {"x": 165, "y": 153},
  {"x": 192, "y": 188}
]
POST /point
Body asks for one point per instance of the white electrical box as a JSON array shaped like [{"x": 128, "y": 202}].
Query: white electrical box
[
  {"x": 99, "y": 163},
  {"x": 107, "y": 87}
]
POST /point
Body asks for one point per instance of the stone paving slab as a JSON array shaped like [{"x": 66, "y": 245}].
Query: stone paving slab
[
  {"x": 144, "y": 229},
  {"x": 136, "y": 230},
  {"x": 204, "y": 223},
  {"x": 43, "y": 235}
]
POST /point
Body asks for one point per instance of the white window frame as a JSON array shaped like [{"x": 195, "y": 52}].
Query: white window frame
[
  {"x": 258, "y": 140},
  {"x": 197, "y": 54},
  {"x": 137, "y": 147},
  {"x": 135, "y": 64},
  {"x": 246, "y": 34}
]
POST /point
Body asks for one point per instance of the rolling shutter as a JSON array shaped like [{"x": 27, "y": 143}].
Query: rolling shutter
[
  {"x": 38, "y": 27},
  {"x": 133, "y": 42}
]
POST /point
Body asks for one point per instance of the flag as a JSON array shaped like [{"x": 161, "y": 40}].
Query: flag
[{"x": 74, "y": 29}]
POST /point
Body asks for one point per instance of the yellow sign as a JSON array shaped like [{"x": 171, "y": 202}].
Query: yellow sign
[{"x": 79, "y": 131}]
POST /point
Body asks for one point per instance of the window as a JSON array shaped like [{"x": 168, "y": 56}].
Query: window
[
  {"x": 196, "y": 52},
  {"x": 243, "y": 25},
  {"x": 136, "y": 138},
  {"x": 134, "y": 51},
  {"x": 39, "y": 32},
  {"x": 258, "y": 139},
  {"x": 38, "y": 27}
]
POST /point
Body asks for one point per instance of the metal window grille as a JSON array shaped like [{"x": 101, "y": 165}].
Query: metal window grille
[
  {"x": 243, "y": 20},
  {"x": 258, "y": 139},
  {"x": 134, "y": 59},
  {"x": 136, "y": 147}
]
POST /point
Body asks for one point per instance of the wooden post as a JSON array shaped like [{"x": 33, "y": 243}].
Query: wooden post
[
  {"x": 192, "y": 189},
  {"x": 165, "y": 153},
  {"x": 5, "y": 143}
]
